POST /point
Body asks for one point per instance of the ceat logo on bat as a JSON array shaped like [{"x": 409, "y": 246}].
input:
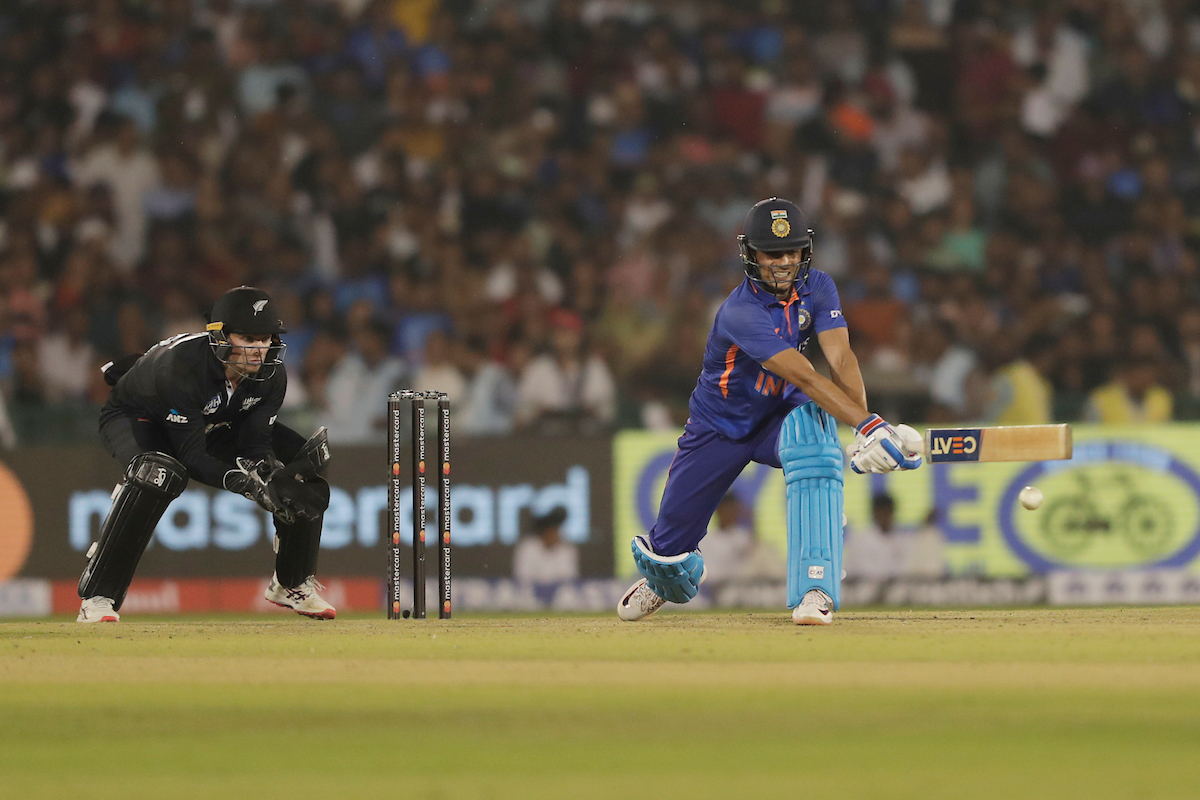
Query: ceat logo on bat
[{"x": 956, "y": 445}]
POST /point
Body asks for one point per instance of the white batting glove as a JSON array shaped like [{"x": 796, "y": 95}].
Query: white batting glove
[
  {"x": 914, "y": 442},
  {"x": 879, "y": 448}
]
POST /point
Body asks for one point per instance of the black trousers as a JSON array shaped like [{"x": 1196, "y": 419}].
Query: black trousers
[
  {"x": 297, "y": 543},
  {"x": 125, "y": 436}
]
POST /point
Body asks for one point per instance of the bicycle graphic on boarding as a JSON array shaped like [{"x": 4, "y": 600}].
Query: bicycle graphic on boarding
[{"x": 1075, "y": 523}]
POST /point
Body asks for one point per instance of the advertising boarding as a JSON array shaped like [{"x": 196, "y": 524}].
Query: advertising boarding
[
  {"x": 1129, "y": 499},
  {"x": 55, "y": 499}
]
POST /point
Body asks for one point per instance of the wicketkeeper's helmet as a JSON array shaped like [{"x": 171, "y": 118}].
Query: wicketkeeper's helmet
[{"x": 250, "y": 312}]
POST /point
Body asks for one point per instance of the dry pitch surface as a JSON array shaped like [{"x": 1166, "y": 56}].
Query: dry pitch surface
[{"x": 923, "y": 705}]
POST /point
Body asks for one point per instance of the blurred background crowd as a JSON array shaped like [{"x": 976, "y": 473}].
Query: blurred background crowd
[{"x": 533, "y": 204}]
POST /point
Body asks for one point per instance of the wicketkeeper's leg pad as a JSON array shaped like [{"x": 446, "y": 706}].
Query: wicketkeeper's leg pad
[
  {"x": 298, "y": 543},
  {"x": 812, "y": 468},
  {"x": 151, "y": 482},
  {"x": 673, "y": 578}
]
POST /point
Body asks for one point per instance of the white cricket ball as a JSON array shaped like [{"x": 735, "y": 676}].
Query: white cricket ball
[{"x": 1030, "y": 497}]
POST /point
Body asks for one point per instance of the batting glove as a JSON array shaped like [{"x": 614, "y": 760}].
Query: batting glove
[{"x": 878, "y": 448}]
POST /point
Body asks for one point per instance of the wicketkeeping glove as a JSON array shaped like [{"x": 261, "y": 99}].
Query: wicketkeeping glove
[
  {"x": 255, "y": 479},
  {"x": 879, "y": 448},
  {"x": 298, "y": 495}
]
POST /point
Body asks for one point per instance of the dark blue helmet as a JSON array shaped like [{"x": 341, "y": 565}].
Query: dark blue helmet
[{"x": 775, "y": 226}]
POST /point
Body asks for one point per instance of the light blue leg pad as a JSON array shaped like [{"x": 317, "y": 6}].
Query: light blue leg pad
[
  {"x": 812, "y": 468},
  {"x": 674, "y": 578}
]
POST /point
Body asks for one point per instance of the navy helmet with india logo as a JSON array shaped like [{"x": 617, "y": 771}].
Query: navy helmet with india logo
[
  {"x": 775, "y": 226},
  {"x": 247, "y": 311}
]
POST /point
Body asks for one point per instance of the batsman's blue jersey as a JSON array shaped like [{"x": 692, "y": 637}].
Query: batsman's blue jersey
[{"x": 735, "y": 393}]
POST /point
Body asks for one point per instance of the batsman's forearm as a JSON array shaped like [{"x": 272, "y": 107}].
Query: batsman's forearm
[
  {"x": 848, "y": 378},
  {"x": 798, "y": 371},
  {"x": 829, "y": 396}
]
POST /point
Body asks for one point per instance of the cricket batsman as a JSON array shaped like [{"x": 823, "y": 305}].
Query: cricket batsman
[
  {"x": 203, "y": 405},
  {"x": 760, "y": 399}
]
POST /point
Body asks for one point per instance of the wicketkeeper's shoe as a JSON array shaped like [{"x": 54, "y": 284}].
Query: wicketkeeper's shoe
[
  {"x": 815, "y": 609},
  {"x": 302, "y": 599},
  {"x": 639, "y": 602},
  {"x": 97, "y": 609}
]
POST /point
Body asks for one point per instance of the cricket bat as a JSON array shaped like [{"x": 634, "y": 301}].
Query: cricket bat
[{"x": 1002, "y": 443}]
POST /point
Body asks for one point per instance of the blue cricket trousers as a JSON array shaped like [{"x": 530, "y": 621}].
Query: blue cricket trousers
[{"x": 704, "y": 468}]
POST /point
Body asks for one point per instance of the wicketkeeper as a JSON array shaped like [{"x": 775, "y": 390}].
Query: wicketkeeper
[
  {"x": 760, "y": 399},
  {"x": 204, "y": 406}
]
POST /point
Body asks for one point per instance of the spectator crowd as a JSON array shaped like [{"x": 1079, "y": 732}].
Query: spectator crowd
[{"x": 533, "y": 204}]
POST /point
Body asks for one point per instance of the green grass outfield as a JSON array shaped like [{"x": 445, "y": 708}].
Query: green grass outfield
[{"x": 883, "y": 704}]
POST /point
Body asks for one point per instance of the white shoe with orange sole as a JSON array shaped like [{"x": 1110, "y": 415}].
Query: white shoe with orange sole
[
  {"x": 303, "y": 599},
  {"x": 97, "y": 609}
]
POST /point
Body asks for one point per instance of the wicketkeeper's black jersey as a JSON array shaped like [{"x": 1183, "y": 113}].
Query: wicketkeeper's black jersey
[{"x": 180, "y": 385}]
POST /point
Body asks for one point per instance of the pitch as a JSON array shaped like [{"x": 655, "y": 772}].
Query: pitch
[{"x": 929, "y": 704}]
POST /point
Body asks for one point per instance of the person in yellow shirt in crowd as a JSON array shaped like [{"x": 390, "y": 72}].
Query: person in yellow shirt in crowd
[
  {"x": 1021, "y": 390},
  {"x": 1134, "y": 395}
]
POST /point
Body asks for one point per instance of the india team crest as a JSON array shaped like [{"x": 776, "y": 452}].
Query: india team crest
[
  {"x": 779, "y": 223},
  {"x": 804, "y": 319}
]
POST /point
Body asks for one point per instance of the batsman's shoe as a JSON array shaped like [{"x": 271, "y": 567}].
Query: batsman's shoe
[
  {"x": 303, "y": 599},
  {"x": 814, "y": 609},
  {"x": 97, "y": 609},
  {"x": 639, "y": 602}
]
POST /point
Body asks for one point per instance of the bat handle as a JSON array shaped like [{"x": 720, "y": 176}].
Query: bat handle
[{"x": 914, "y": 442}]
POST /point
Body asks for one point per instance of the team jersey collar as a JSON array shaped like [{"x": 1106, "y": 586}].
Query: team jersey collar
[{"x": 768, "y": 299}]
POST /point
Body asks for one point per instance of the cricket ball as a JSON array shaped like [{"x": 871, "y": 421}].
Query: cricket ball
[{"x": 1030, "y": 497}]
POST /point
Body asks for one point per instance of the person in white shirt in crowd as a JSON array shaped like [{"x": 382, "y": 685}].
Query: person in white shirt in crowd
[
  {"x": 568, "y": 388},
  {"x": 130, "y": 170},
  {"x": 66, "y": 358},
  {"x": 544, "y": 557},
  {"x": 875, "y": 551},
  {"x": 885, "y": 551},
  {"x": 440, "y": 373},
  {"x": 926, "y": 556},
  {"x": 358, "y": 385},
  {"x": 732, "y": 552},
  {"x": 1056, "y": 57},
  {"x": 490, "y": 398}
]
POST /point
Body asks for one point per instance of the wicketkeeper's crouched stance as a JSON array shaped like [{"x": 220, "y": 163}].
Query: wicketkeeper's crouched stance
[
  {"x": 203, "y": 406},
  {"x": 759, "y": 399}
]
